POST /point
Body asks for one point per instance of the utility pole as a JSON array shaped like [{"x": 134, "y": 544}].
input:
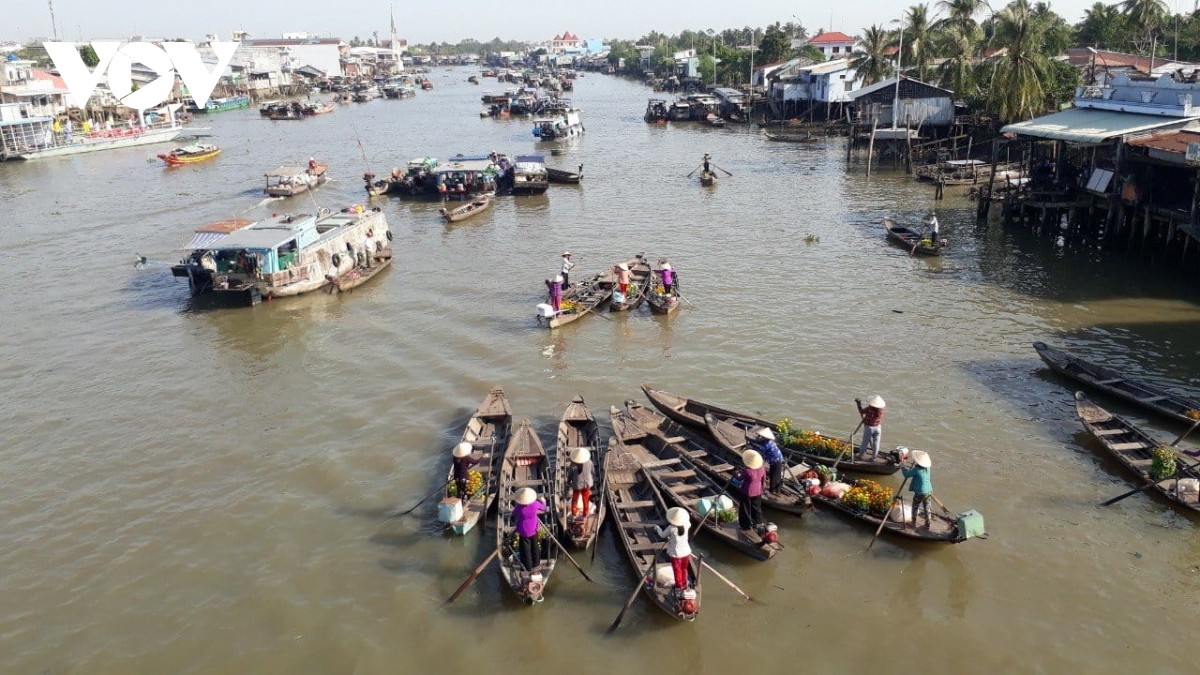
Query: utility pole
[{"x": 53, "y": 21}]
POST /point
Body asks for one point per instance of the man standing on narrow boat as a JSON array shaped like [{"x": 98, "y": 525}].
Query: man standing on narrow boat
[
  {"x": 566, "y": 268},
  {"x": 667, "y": 274},
  {"x": 921, "y": 487},
  {"x": 623, "y": 279},
  {"x": 933, "y": 228},
  {"x": 872, "y": 419}
]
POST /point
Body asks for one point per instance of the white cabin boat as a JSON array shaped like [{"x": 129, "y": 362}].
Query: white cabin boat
[
  {"x": 529, "y": 175},
  {"x": 565, "y": 124},
  {"x": 25, "y": 136}
]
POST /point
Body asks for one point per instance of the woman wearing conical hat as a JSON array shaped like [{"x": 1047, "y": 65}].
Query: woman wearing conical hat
[
  {"x": 872, "y": 419},
  {"x": 921, "y": 486},
  {"x": 753, "y": 475},
  {"x": 580, "y": 476},
  {"x": 525, "y": 517},
  {"x": 463, "y": 461},
  {"x": 676, "y": 534}
]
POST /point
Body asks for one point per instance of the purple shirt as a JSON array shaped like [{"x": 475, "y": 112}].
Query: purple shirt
[
  {"x": 555, "y": 290},
  {"x": 752, "y": 481},
  {"x": 667, "y": 276},
  {"x": 526, "y": 517}
]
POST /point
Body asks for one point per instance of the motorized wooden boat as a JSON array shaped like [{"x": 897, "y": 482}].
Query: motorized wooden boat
[
  {"x": 525, "y": 465},
  {"x": 488, "y": 432},
  {"x": 1133, "y": 448},
  {"x": 381, "y": 259},
  {"x": 1109, "y": 381},
  {"x": 640, "y": 278},
  {"x": 686, "y": 486},
  {"x": 660, "y": 301},
  {"x": 563, "y": 176},
  {"x": 190, "y": 154},
  {"x": 708, "y": 178},
  {"x": 472, "y": 208},
  {"x": 914, "y": 241},
  {"x": 792, "y": 138},
  {"x": 716, "y": 460},
  {"x": 691, "y": 413},
  {"x": 289, "y": 181},
  {"x": 578, "y": 429},
  {"x": 636, "y": 509},
  {"x": 580, "y": 300}
]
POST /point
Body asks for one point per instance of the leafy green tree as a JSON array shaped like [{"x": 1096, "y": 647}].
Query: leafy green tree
[
  {"x": 90, "y": 59},
  {"x": 918, "y": 33},
  {"x": 1103, "y": 26},
  {"x": 775, "y": 46},
  {"x": 959, "y": 42},
  {"x": 870, "y": 59},
  {"x": 1146, "y": 19},
  {"x": 1016, "y": 91},
  {"x": 707, "y": 68},
  {"x": 960, "y": 13}
]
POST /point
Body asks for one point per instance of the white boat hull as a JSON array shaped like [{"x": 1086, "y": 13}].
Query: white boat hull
[{"x": 97, "y": 144}]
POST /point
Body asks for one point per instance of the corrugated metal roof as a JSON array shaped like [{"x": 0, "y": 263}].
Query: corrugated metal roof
[
  {"x": 1171, "y": 141},
  {"x": 1084, "y": 125}
]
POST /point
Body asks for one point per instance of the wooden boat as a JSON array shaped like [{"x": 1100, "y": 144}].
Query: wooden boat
[
  {"x": 472, "y": 208},
  {"x": 1133, "y": 448},
  {"x": 577, "y": 429},
  {"x": 912, "y": 240},
  {"x": 347, "y": 281},
  {"x": 581, "y": 299},
  {"x": 686, "y": 486},
  {"x": 636, "y": 508},
  {"x": 190, "y": 154},
  {"x": 660, "y": 301},
  {"x": 1109, "y": 381},
  {"x": 708, "y": 178},
  {"x": 716, "y": 460},
  {"x": 289, "y": 181},
  {"x": 640, "y": 278},
  {"x": 488, "y": 431},
  {"x": 732, "y": 438},
  {"x": 713, "y": 120},
  {"x": 956, "y": 172},
  {"x": 791, "y": 138},
  {"x": 525, "y": 465},
  {"x": 691, "y": 413},
  {"x": 311, "y": 109},
  {"x": 562, "y": 176},
  {"x": 473, "y": 80}
]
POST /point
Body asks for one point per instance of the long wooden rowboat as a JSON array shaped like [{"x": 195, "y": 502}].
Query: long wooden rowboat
[
  {"x": 1132, "y": 447},
  {"x": 792, "y": 138},
  {"x": 472, "y": 208},
  {"x": 636, "y": 509},
  {"x": 908, "y": 238},
  {"x": 941, "y": 528},
  {"x": 487, "y": 431},
  {"x": 577, "y": 429},
  {"x": 708, "y": 178},
  {"x": 640, "y": 278},
  {"x": 563, "y": 176},
  {"x": 684, "y": 485},
  {"x": 348, "y": 281},
  {"x": 1111, "y": 382},
  {"x": 662, "y": 303},
  {"x": 714, "y": 459},
  {"x": 525, "y": 465},
  {"x": 691, "y": 412},
  {"x": 584, "y": 298}
]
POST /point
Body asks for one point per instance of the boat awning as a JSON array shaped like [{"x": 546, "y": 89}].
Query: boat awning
[
  {"x": 285, "y": 171},
  {"x": 531, "y": 159},
  {"x": 1085, "y": 125},
  {"x": 257, "y": 238},
  {"x": 212, "y": 233}
]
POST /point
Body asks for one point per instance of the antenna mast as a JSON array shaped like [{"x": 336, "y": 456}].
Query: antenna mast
[{"x": 53, "y": 22}]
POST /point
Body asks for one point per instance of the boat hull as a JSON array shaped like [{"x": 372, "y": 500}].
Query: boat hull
[{"x": 101, "y": 143}]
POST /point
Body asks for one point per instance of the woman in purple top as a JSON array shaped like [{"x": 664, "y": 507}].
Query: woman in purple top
[
  {"x": 556, "y": 292},
  {"x": 525, "y": 517},
  {"x": 668, "y": 275},
  {"x": 752, "y": 478}
]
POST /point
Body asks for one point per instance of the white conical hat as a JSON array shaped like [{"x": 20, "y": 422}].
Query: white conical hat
[
  {"x": 876, "y": 401},
  {"x": 766, "y": 433},
  {"x": 624, "y": 267},
  {"x": 566, "y": 253},
  {"x": 558, "y": 279},
  {"x": 462, "y": 449},
  {"x": 752, "y": 459},
  {"x": 677, "y": 516},
  {"x": 526, "y": 496},
  {"x": 921, "y": 458},
  {"x": 666, "y": 266},
  {"x": 581, "y": 455}
]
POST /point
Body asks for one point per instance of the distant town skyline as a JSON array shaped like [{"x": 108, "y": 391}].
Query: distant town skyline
[{"x": 465, "y": 19}]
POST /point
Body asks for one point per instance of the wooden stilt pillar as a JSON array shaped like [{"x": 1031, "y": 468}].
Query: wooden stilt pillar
[{"x": 871, "y": 147}]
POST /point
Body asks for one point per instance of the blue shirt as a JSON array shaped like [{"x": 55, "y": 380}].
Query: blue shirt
[
  {"x": 921, "y": 484},
  {"x": 769, "y": 451}
]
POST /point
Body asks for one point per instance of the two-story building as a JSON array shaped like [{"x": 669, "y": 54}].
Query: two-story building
[
  {"x": 819, "y": 89},
  {"x": 833, "y": 45},
  {"x": 43, "y": 93},
  {"x": 565, "y": 41}
]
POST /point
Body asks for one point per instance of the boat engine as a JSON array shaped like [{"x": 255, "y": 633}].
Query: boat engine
[
  {"x": 577, "y": 528},
  {"x": 687, "y": 604},
  {"x": 771, "y": 533}
]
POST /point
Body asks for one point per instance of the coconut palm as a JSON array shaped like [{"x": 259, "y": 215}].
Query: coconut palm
[
  {"x": 960, "y": 13},
  {"x": 957, "y": 72},
  {"x": 870, "y": 60},
  {"x": 918, "y": 33},
  {"x": 1145, "y": 18},
  {"x": 1016, "y": 90},
  {"x": 1103, "y": 25}
]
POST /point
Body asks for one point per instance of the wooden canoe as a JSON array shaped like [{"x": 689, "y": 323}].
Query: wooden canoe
[
  {"x": 942, "y": 528},
  {"x": 663, "y": 304},
  {"x": 525, "y": 465},
  {"x": 907, "y": 238},
  {"x": 691, "y": 412},
  {"x": 488, "y": 431},
  {"x": 640, "y": 278},
  {"x": 1132, "y": 447},
  {"x": 472, "y": 208},
  {"x": 561, "y": 176},
  {"x": 791, "y": 138},
  {"x": 1109, "y": 381},
  {"x": 714, "y": 459},
  {"x": 578, "y": 429},
  {"x": 636, "y": 509},
  {"x": 684, "y": 485},
  {"x": 708, "y": 178},
  {"x": 584, "y": 298},
  {"x": 358, "y": 276}
]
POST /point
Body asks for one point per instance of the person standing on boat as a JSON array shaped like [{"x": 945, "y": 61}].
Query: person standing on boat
[
  {"x": 706, "y": 165},
  {"x": 922, "y": 486},
  {"x": 580, "y": 478},
  {"x": 464, "y": 459},
  {"x": 556, "y": 287},
  {"x": 678, "y": 549},
  {"x": 567, "y": 266},
  {"x": 312, "y": 165},
  {"x": 623, "y": 279},
  {"x": 667, "y": 274},
  {"x": 872, "y": 419},
  {"x": 525, "y": 517},
  {"x": 750, "y": 500},
  {"x": 68, "y": 128},
  {"x": 933, "y": 228},
  {"x": 764, "y": 443}
]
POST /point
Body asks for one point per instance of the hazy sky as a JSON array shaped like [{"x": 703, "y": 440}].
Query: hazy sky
[{"x": 445, "y": 21}]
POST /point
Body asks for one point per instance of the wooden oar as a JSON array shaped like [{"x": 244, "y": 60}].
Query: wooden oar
[
  {"x": 723, "y": 578},
  {"x": 887, "y": 515},
  {"x": 405, "y": 513},
  {"x": 1152, "y": 483},
  {"x": 562, "y": 549},
  {"x": 939, "y": 503},
  {"x": 919, "y": 238},
  {"x": 467, "y": 582},
  {"x": 850, "y": 442},
  {"x": 726, "y": 172},
  {"x": 694, "y": 171},
  {"x": 637, "y": 589},
  {"x": 599, "y": 510}
]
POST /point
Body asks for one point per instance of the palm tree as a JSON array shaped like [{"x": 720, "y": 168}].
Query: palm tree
[
  {"x": 919, "y": 31},
  {"x": 1016, "y": 89},
  {"x": 1145, "y": 17},
  {"x": 1102, "y": 25},
  {"x": 870, "y": 60},
  {"x": 960, "y": 13},
  {"x": 959, "y": 44}
]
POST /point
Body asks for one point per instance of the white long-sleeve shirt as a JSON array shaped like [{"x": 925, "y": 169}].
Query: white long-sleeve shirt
[
  {"x": 567, "y": 265},
  {"x": 677, "y": 544}
]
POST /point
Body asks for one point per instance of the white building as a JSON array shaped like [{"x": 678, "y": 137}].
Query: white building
[
  {"x": 832, "y": 44},
  {"x": 276, "y": 55},
  {"x": 43, "y": 93},
  {"x": 825, "y": 82}
]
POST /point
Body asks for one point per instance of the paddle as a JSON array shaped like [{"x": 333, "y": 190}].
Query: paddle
[
  {"x": 689, "y": 302},
  {"x": 723, "y": 578},
  {"x": 637, "y": 589},
  {"x": 562, "y": 549},
  {"x": 1152, "y": 483},
  {"x": 694, "y": 171},
  {"x": 726, "y": 172},
  {"x": 467, "y": 582},
  {"x": 437, "y": 491},
  {"x": 939, "y": 503},
  {"x": 600, "y": 510},
  {"x": 888, "y": 515},
  {"x": 850, "y": 442}
]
